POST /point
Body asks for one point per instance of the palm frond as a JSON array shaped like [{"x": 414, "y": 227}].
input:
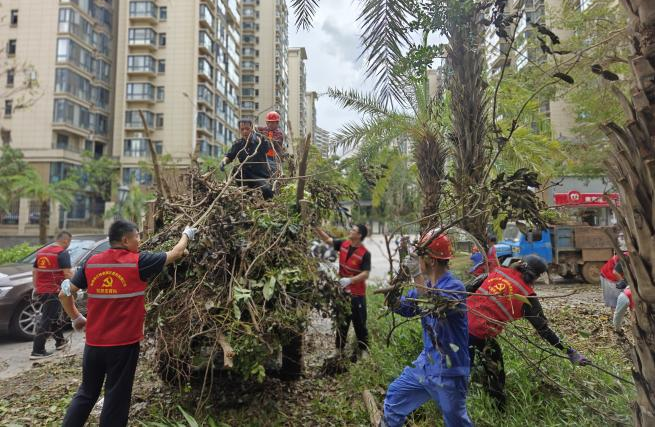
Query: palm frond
[
  {"x": 305, "y": 11},
  {"x": 363, "y": 103},
  {"x": 384, "y": 33}
]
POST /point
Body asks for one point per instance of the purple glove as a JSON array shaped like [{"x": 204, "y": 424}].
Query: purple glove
[{"x": 577, "y": 358}]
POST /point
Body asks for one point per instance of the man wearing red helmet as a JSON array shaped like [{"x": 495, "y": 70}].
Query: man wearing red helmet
[
  {"x": 441, "y": 371},
  {"x": 493, "y": 306},
  {"x": 275, "y": 135}
]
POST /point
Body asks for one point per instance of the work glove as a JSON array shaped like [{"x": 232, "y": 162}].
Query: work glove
[
  {"x": 66, "y": 287},
  {"x": 411, "y": 262},
  {"x": 345, "y": 282},
  {"x": 190, "y": 232},
  {"x": 223, "y": 166},
  {"x": 79, "y": 323},
  {"x": 621, "y": 285},
  {"x": 577, "y": 358}
]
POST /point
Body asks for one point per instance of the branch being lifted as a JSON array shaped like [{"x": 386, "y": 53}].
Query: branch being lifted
[{"x": 162, "y": 186}]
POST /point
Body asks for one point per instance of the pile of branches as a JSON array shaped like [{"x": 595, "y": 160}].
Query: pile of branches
[{"x": 246, "y": 287}]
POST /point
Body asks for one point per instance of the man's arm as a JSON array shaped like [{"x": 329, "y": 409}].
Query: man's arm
[
  {"x": 535, "y": 314},
  {"x": 68, "y": 302},
  {"x": 178, "y": 250},
  {"x": 362, "y": 276},
  {"x": 64, "y": 260},
  {"x": 407, "y": 308},
  {"x": 324, "y": 236}
]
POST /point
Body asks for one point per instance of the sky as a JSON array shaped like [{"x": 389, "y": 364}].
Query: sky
[{"x": 332, "y": 47}]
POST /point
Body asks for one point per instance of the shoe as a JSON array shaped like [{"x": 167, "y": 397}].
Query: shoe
[
  {"x": 364, "y": 355},
  {"x": 62, "y": 345},
  {"x": 40, "y": 355}
]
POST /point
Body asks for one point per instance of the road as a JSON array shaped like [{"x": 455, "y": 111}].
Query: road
[{"x": 14, "y": 355}]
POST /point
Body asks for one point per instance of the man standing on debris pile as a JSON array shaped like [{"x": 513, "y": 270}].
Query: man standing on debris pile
[
  {"x": 51, "y": 266},
  {"x": 115, "y": 280},
  {"x": 251, "y": 151},
  {"x": 441, "y": 371},
  {"x": 272, "y": 131},
  {"x": 498, "y": 300},
  {"x": 354, "y": 269}
]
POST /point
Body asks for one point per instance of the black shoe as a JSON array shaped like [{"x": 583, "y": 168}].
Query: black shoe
[
  {"x": 62, "y": 345},
  {"x": 40, "y": 355}
]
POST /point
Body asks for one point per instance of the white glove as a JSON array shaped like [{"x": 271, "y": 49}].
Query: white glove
[
  {"x": 66, "y": 287},
  {"x": 412, "y": 264},
  {"x": 79, "y": 323},
  {"x": 190, "y": 232},
  {"x": 345, "y": 282}
]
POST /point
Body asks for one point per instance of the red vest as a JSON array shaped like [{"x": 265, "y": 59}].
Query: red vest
[
  {"x": 48, "y": 275},
  {"x": 628, "y": 294},
  {"x": 492, "y": 306},
  {"x": 608, "y": 269},
  {"x": 116, "y": 306},
  {"x": 351, "y": 266}
]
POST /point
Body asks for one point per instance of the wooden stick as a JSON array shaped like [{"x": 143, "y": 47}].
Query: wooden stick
[
  {"x": 302, "y": 169},
  {"x": 161, "y": 185},
  {"x": 372, "y": 406}
]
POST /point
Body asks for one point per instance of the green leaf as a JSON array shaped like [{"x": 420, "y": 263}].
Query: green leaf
[
  {"x": 189, "y": 419},
  {"x": 237, "y": 311},
  {"x": 241, "y": 294},
  {"x": 269, "y": 288},
  {"x": 521, "y": 298}
]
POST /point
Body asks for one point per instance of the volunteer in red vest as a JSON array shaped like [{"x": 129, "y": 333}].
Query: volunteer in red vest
[
  {"x": 354, "y": 269},
  {"x": 623, "y": 302},
  {"x": 115, "y": 281},
  {"x": 275, "y": 135},
  {"x": 492, "y": 307},
  {"x": 608, "y": 280},
  {"x": 51, "y": 266}
]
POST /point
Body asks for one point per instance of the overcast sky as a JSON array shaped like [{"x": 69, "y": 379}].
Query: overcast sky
[{"x": 332, "y": 49}]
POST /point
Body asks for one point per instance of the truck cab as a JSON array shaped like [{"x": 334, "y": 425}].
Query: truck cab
[{"x": 517, "y": 244}]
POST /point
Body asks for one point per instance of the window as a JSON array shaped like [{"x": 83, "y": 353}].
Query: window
[
  {"x": 206, "y": 15},
  {"x": 204, "y": 94},
  {"x": 13, "y": 21},
  {"x": 205, "y": 68},
  {"x": 161, "y": 94},
  {"x": 141, "y": 36},
  {"x": 11, "y": 73},
  {"x": 143, "y": 9},
  {"x": 62, "y": 141},
  {"x": 160, "y": 120},
  {"x": 140, "y": 91},
  {"x": 140, "y": 63},
  {"x": 133, "y": 119},
  {"x": 138, "y": 148},
  {"x": 70, "y": 51},
  {"x": 9, "y": 106},
  {"x": 11, "y": 47},
  {"x": 136, "y": 175},
  {"x": 163, "y": 13},
  {"x": 162, "y": 39},
  {"x": 161, "y": 66}
]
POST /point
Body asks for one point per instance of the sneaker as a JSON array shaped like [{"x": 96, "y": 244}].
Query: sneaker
[
  {"x": 40, "y": 355},
  {"x": 62, "y": 345}
]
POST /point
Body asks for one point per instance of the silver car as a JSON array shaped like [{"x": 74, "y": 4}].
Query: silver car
[{"x": 19, "y": 311}]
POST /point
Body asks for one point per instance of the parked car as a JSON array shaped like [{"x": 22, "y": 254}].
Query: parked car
[{"x": 19, "y": 311}]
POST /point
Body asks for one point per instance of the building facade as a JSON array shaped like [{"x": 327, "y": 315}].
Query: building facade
[
  {"x": 264, "y": 63},
  {"x": 297, "y": 94},
  {"x": 324, "y": 141}
]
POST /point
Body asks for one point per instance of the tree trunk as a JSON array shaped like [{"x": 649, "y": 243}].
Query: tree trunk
[
  {"x": 44, "y": 214},
  {"x": 632, "y": 168},
  {"x": 430, "y": 156},
  {"x": 469, "y": 111}
]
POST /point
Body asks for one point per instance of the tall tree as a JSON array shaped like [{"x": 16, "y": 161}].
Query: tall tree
[
  {"x": 631, "y": 167},
  {"x": 12, "y": 165},
  {"x": 31, "y": 185},
  {"x": 99, "y": 177}
]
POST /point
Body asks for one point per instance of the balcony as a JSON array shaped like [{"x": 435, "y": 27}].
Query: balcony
[
  {"x": 205, "y": 125},
  {"x": 205, "y": 44},
  {"x": 142, "y": 37},
  {"x": 143, "y": 11},
  {"x": 206, "y": 17}
]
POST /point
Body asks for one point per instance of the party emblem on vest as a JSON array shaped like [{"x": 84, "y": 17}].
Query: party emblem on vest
[
  {"x": 103, "y": 282},
  {"x": 43, "y": 262},
  {"x": 499, "y": 285}
]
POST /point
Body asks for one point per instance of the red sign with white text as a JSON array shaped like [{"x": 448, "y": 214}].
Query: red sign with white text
[{"x": 576, "y": 198}]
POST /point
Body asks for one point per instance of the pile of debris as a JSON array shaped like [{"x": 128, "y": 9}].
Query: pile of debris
[{"x": 243, "y": 294}]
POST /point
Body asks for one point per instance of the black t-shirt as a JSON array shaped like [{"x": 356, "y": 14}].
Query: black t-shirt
[
  {"x": 64, "y": 260},
  {"x": 252, "y": 156},
  {"x": 150, "y": 264},
  {"x": 366, "y": 260}
]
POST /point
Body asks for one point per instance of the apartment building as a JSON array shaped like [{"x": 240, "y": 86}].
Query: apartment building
[
  {"x": 297, "y": 94},
  {"x": 324, "y": 141},
  {"x": 57, "y": 92},
  {"x": 179, "y": 64},
  {"x": 264, "y": 61}
]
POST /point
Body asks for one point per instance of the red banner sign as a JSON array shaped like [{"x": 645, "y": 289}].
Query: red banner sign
[{"x": 576, "y": 198}]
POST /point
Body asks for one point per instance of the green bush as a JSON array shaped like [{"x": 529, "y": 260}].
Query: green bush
[{"x": 15, "y": 253}]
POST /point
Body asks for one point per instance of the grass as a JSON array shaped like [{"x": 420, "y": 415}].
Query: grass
[{"x": 579, "y": 396}]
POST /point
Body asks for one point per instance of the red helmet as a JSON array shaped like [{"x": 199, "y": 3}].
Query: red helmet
[
  {"x": 437, "y": 247},
  {"x": 272, "y": 116}
]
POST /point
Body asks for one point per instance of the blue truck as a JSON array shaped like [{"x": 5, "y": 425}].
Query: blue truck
[{"x": 570, "y": 250}]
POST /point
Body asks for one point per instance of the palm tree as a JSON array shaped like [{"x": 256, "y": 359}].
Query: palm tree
[
  {"x": 31, "y": 185},
  {"x": 631, "y": 168},
  {"x": 12, "y": 165},
  {"x": 421, "y": 123},
  {"x": 133, "y": 206}
]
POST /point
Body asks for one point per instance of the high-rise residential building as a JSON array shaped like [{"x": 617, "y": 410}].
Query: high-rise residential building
[
  {"x": 562, "y": 120},
  {"x": 297, "y": 93},
  {"x": 311, "y": 98},
  {"x": 264, "y": 62},
  {"x": 179, "y": 64},
  {"x": 323, "y": 140},
  {"x": 64, "y": 51}
]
